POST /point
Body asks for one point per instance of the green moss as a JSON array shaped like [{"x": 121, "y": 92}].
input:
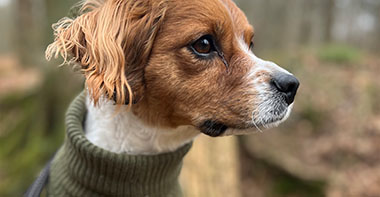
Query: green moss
[
  {"x": 339, "y": 54},
  {"x": 32, "y": 130},
  {"x": 286, "y": 185}
]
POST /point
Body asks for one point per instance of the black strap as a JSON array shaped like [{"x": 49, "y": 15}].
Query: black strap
[{"x": 39, "y": 184}]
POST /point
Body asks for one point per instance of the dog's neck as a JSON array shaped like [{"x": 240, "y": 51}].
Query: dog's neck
[{"x": 120, "y": 131}]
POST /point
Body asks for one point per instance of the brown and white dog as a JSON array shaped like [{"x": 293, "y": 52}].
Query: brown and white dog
[{"x": 160, "y": 72}]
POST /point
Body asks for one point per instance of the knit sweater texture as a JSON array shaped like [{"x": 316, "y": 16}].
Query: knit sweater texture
[{"x": 83, "y": 169}]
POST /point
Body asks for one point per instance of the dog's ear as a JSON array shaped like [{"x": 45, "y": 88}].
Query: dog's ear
[{"x": 112, "y": 43}]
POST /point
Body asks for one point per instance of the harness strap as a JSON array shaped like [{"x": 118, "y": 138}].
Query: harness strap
[{"x": 39, "y": 184}]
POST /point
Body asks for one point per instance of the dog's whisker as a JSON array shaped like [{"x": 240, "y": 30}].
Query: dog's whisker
[{"x": 254, "y": 122}]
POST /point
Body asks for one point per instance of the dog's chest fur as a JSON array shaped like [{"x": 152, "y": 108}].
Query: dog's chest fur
[{"x": 120, "y": 131}]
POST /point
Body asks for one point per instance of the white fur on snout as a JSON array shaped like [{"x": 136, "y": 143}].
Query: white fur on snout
[
  {"x": 232, "y": 131},
  {"x": 268, "y": 105},
  {"x": 260, "y": 64}
]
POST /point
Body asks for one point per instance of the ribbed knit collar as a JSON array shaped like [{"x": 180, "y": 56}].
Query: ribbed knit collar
[{"x": 104, "y": 172}]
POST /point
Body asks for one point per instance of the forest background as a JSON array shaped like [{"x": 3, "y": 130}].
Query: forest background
[{"x": 329, "y": 146}]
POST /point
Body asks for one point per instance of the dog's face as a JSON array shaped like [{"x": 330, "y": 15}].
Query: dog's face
[{"x": 185, "y": 63}]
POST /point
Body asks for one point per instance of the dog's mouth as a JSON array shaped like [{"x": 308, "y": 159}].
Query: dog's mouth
[
  {"x": 261, "y": 120},
  {"x": 213, "y": 128}
]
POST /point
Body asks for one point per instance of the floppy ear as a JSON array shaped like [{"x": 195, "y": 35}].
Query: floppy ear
[{"x": 112, "y": 43}]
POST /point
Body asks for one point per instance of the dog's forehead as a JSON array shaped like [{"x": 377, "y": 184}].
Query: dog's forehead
[
  {"x": 239, "y": 18},
  {"x": 240, "y": 21},
  {"x": 219, "y": 14}
]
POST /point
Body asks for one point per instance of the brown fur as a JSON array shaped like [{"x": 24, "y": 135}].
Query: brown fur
[
  {"x": 142, "y": 46},
  {"x": 112, "y": 43}
]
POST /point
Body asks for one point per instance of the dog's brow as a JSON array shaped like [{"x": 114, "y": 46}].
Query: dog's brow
[
  {"x": 220, "y": 28},
  {"x": 249, "y": 34}
]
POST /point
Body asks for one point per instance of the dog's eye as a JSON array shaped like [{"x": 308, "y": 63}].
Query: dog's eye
[
  {"x": 251, "y": 45},
  {"x": 203, "y": 46}
]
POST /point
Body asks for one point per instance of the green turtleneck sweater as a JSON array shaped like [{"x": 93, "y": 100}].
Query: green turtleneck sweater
[{"x": 83, "y": 169}]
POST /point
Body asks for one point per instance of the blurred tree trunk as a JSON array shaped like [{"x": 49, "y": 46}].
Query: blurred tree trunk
[
  {"x": 293, "y": 22},
  {"x": 328, "y": 7},
  {"x": 212, "y": 168},
  {"x": 377, "y": 32},
  {"x": 24, "y": 24},
  {"x": 28, "y": 37},
  {"x": 55, "y": 91},
  {"x": 305, "y": 27}
]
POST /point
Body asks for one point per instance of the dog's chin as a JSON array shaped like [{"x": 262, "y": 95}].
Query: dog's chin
[
  {"x": 265, "y": 122},
  {"x": 268, "y": 115}
]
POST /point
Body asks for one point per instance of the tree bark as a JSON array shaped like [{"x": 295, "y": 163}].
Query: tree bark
[{"x": 212, "y": 168}]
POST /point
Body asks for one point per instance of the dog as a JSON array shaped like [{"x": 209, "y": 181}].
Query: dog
[{"x": 160, "y": 72}]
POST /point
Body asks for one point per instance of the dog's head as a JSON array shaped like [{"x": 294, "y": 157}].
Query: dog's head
[{"x": 177, "y": 62}]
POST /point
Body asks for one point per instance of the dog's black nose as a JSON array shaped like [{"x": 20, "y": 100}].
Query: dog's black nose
[{"x": 286, "y": 84}]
